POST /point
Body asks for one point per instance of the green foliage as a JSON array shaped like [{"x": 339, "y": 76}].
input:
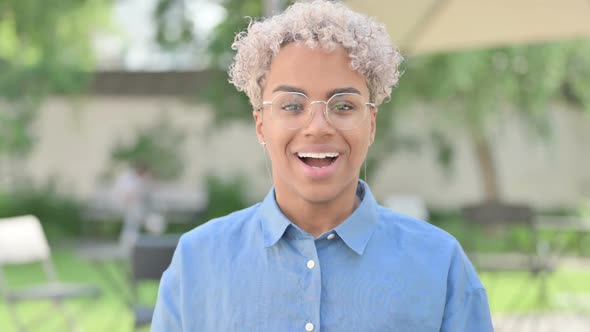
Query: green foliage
[
  {"x": 477, "y": 238},
  {"x": 228, "y": 103},
  {"x": 472, "y": 86},
  {"x": 45, "y": 47},
  {"x": 225, "y": 196},
  {"x": 173, "y": 27},
  {"x": 59, "y": 213},
  {"x": 467, "y": 91},
  {"x": 239, "y": 15},
  {"x": 157, "y": 147},
  {"x": 577, "y": 85},
  {"x": 16, "y": 137}
]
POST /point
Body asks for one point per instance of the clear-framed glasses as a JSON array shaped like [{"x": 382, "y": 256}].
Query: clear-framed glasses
[{"x": 293, "y": 110}]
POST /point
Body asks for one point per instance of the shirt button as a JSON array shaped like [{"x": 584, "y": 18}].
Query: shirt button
[
  {"x": 331, "y": 236},
  {"x": 310, "y": 265},
  {"x": 309, "y": 327}
]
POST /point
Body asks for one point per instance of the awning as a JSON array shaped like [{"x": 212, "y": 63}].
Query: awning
[{"x": 430, "y": 26}]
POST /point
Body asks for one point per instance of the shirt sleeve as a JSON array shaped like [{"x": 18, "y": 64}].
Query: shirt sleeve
[
  {"x": 467, "y": 308},
  {"x": 167, "y": 313}
]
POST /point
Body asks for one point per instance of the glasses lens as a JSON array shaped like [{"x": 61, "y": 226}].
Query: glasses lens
[
  {"x": 289, "y": 109},
  {"x": 346, "y": 110}
]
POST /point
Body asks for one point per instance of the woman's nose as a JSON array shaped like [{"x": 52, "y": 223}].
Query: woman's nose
[{"x": 318, "y": 115}]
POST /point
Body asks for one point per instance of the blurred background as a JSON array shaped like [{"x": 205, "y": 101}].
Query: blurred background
[{"x": 117, "y": 122}]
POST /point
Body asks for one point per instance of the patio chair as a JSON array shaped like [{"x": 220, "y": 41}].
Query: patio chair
[
  {"x": 502, "y": 223},
  {"x": 150, "y": 257},
  {"x": 22, "y": 241}
]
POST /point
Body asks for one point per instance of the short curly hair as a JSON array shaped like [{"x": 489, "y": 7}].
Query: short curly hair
[{"x": 317, "y": 22}]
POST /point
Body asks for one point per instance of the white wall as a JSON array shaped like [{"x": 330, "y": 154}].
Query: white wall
[
  {"x": 546, "y": 172},
  {"x": 76, "y": 138}
]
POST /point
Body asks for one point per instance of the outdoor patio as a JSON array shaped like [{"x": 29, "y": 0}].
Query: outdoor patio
[
  {"x": 119, "y": 132},
  {"x": 567, "y": 307}
]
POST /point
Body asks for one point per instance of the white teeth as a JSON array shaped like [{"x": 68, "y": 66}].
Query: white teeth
[{"x": 319, "y": 155}]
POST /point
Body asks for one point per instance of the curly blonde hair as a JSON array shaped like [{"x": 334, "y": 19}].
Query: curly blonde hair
[{"x": 314, "y": 23}]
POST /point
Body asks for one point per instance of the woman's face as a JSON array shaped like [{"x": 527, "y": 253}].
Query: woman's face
[{"x": 318, "y": 75}]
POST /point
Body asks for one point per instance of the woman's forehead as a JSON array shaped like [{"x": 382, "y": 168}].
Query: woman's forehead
[{"x": 313, "y": 70}]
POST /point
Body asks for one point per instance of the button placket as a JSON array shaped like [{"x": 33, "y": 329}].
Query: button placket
[{"x": 312, "y": 284}]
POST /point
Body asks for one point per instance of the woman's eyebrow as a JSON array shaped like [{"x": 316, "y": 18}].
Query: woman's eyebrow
[
  {"x": 342, "y": 90},
  {"x": 287, "y": 88}
]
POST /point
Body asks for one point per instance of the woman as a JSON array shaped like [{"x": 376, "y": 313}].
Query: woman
[{"x": 319, "y": 253}]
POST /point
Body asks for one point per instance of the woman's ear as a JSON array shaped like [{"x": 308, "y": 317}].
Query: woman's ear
[
  {"x": 258, "y": 123},
  {"x": 373, "y": 126}
]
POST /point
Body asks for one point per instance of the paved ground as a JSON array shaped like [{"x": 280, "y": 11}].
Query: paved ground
[{"x": 550, "y": 322}]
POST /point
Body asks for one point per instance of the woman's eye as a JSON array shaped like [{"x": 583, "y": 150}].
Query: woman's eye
[
  {"x": 292, "y": 107},
  {"x": 343, "y": 107}
]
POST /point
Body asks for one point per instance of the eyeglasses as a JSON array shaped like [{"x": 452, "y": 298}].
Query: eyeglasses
[{"x": 344, "y": 111}]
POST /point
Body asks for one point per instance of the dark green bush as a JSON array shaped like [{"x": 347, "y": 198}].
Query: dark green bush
[
  {"x": 225, "y": 196},
  {"x": 59, "y": 213},
  {"x": 159, "y": 148}
]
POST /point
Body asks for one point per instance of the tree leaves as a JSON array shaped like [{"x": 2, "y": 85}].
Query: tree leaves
[
  {"x": 158, "y": 147},
  {"x": 477, "y": 83},
  {"x": 45, "y": 49}
]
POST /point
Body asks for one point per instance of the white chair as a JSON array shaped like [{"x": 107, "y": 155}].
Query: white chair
[{"x": 22, "y": 241}]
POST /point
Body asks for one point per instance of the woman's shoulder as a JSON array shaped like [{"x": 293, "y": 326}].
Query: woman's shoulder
[
  {"x": 415, "y": 229},
  {"x": 222, "y": 227}
]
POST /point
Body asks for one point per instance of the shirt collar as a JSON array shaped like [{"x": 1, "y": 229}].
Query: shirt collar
[
  {"x": 355, "y": 231},
  {"x": 273, "y": 221}
]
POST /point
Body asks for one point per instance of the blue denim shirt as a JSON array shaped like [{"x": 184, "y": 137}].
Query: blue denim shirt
[{"x": 254, "y": 270}]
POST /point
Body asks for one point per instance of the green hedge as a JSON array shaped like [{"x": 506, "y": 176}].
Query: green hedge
[{"x": 59, "y": 213}]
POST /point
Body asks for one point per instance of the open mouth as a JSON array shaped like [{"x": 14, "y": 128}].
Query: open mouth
[{"x": 318, "y": 160}]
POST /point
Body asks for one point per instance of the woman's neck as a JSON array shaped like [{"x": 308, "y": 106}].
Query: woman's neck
[{"x": 316, "y": 218}]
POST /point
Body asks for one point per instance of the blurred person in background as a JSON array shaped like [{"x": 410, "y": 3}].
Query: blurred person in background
[
  {"x": 318, "y": 253},
  {"x": 133, "y": 193}
]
